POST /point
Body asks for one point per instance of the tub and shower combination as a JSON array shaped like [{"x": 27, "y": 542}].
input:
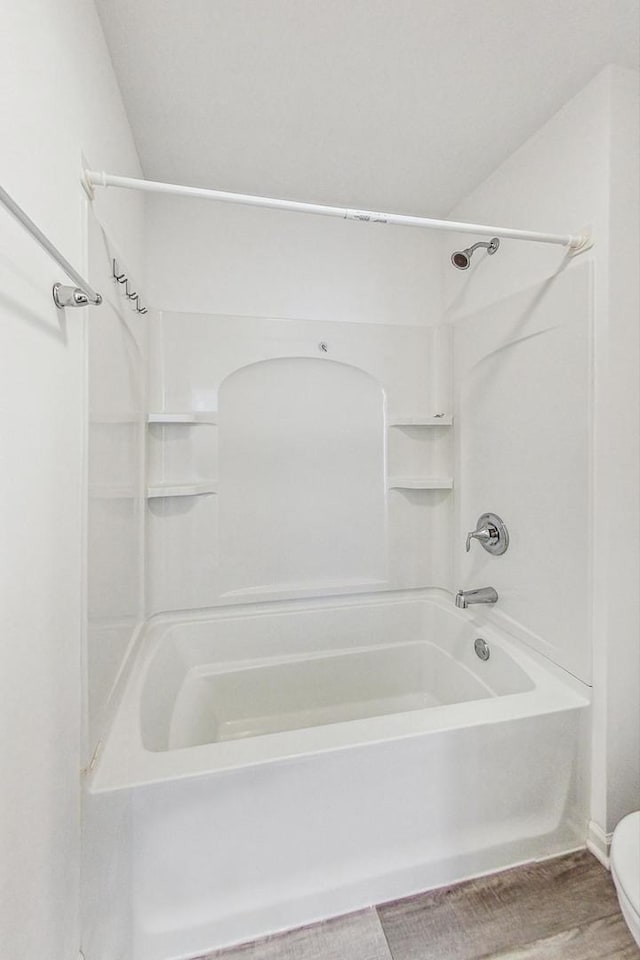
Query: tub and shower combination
[{"x": 297, "y": 761}]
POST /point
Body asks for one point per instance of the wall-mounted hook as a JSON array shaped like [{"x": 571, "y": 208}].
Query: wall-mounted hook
[
  {"x": 130, "y": 294},
  {"x": 120, "y": 277}
]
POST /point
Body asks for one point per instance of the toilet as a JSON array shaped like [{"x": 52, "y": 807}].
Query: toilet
[{"x": 625, "y": 870}]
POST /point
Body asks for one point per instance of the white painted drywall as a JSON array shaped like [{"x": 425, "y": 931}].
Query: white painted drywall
[
  {"x": 58, "y": 99},
  {"x": 617, "y": 451},
  {"x": 204, "y": 257},
  {"x": 579, "y": 169},
  {"x": 387, "y": 104}
]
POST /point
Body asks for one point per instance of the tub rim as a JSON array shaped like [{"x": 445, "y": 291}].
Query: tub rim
[{"x": 121, "y": 761}]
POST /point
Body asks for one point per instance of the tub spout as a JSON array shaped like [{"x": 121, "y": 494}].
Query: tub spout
[{"x": 465, "y": 598}]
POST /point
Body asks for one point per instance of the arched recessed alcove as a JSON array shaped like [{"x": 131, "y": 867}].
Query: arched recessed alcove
[{"x": 301, "y": 491}]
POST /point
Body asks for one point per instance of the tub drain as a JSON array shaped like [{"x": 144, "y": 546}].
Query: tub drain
[{"x": 482, "y": 648}]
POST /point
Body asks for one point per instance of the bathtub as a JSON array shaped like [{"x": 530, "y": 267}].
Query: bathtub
[{"x": 294, "y": 761}]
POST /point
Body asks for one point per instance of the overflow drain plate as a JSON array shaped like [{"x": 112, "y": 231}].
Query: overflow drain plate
[{"x": 482, "y": 648}]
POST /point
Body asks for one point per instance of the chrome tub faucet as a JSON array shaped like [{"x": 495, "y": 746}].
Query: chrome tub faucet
[{"x": 464, "y": 598}]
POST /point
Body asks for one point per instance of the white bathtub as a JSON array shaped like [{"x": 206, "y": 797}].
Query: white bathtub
[{"x": 290, "y": 763}]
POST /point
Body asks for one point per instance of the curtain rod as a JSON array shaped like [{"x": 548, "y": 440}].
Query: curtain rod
[
  {"x": 575, "y": 243},
  {"x": 63, "y": 296}
]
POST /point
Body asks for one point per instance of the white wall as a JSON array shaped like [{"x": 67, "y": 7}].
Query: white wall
[
  {"x": 577, "y": 170},
  {"x": 522, "y": 412},
  {"x": 236, "y": 285},
  {"x": 205, "y": 257},
  {"x": 283, "y": 525},
  {"x": 116, "y": 398},
  {"x": 617, "y": 504},
  {"x": 58, "y": 99},
  {"x": 513, "y": 340}
]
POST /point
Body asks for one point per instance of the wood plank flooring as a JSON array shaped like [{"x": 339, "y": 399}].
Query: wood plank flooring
[
  {"x": 561, "y": 909},
  {"x": 357, "y": 936}
]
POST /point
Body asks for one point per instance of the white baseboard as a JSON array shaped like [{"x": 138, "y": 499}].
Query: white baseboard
[{"x": 599, "y": 843}]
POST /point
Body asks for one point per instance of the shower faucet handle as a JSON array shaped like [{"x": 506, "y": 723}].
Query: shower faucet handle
[
  {"x": 483, "y": 535},
  {"x": 491, "y": 532}
]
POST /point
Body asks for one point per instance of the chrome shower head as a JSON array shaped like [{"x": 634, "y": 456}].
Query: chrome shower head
[{"x": 462, "y": 258}]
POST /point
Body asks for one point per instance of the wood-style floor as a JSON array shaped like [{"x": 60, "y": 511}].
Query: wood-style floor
[{"x": 562, "y": 909}]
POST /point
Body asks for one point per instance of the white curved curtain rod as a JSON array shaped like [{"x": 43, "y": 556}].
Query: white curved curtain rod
[{"x": 575, "y": 243}]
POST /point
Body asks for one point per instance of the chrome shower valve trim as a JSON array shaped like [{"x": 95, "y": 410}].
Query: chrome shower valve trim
[{"x": 491, "y": 532}]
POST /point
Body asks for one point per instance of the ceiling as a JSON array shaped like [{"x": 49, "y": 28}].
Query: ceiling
[{"x": 395, "y": 105}]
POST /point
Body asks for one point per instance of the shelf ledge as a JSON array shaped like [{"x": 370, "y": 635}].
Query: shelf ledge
[
  {"x": 420, "y": 483},
  {"x": 182, "y": 489},
  {"x": 445, "y": 421}
]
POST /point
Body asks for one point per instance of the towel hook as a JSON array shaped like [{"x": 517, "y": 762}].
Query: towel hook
[{"x": 120, "y": 277}]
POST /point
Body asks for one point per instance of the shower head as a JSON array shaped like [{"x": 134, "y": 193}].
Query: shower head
[{"x": 462, "y": 258}]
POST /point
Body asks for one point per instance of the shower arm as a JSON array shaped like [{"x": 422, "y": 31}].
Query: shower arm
[
  {"x": 574, "y": 243},
  {"x": 481, "y": 243}
]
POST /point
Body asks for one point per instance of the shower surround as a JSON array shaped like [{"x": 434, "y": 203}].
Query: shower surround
[{"x": 304, "y": 727}]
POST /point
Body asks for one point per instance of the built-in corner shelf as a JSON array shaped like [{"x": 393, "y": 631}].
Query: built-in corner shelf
[
  {"x": 182, "y": 489},
  {"x": 443, "y": 421},
  {"x": 186, "y": 417},
  {"x": 189, "y": 416},
  {"x": 420, "y": 483}
]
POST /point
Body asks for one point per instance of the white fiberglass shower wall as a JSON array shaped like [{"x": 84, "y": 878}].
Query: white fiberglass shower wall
[
  {"x": 320, "y": 462},
  {"x": 546, "y": 356}
]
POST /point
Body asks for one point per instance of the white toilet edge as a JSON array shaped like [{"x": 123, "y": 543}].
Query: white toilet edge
[{"x": 630, "y": 914}]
